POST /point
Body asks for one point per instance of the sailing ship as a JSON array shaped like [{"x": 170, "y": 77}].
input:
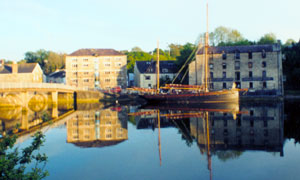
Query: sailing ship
[{"x": 186, "y": 94}]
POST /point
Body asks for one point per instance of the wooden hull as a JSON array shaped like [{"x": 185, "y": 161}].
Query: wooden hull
[{"x": 215, "y": 97}]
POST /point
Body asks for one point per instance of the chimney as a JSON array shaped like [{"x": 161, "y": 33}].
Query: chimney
[
  {"x": 1, "y": 62},
  {"x": 14, "y": 67}
]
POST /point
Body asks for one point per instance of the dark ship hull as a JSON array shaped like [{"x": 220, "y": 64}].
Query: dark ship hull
[{"x": 214, "y": 97}]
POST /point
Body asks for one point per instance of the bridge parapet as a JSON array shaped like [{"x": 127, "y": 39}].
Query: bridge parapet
[{"x": 40, "y": 86}]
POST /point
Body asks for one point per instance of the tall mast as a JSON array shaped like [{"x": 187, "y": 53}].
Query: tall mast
[
  {"x": 206, "y": 49},
  {"x": 157, "y": 68}
]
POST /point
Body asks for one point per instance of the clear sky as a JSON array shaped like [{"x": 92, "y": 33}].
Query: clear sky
[{"x": 68, "y": 25}]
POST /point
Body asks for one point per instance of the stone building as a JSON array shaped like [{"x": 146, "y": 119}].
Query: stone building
[
  {"x": 96, "y": 68},
  {"x": 21, "y": 73},
  {"x": 145, "y": 73},
  {"x": 97, "y": 128},
  {"x": 256, "y": 67}
]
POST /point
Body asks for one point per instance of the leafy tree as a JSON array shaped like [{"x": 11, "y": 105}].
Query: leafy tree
[
  {"x": 175, "y": 50},
  {"x": 136, "y": 49},
  {"x": 289, "y": 42},
  {"x": 162, "y": 55},
  {"x": 291, "y": 66},
  {"x": 48, "y": 60},
  {"x": 186, "y": 53},
  {"x": 269, "y": 38},
  {"x": 13, "y": 165},
  {"x": 136, "y": 56}
]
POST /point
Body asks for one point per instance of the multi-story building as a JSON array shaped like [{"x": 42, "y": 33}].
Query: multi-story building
[
  {"x": 96, "y": 68},
  {"x": 256, "y": 67},
  {"x": 145, "y": 73},
  {"x": 17, "y": 73}
]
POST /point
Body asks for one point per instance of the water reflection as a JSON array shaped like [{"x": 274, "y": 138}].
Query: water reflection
[{"x": 98, "y": 128}]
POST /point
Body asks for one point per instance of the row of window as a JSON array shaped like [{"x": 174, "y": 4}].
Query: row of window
[
  {"x": 238, "y": 75},
  {"x": 97, "y": 59},
  {"x": 237, "y": 55},
  {"x": 238, "y": 84},
  {"x": 237, "y": 65},
  {"x": 106, "y": 64},
  {"x": 239, "y": 123}
]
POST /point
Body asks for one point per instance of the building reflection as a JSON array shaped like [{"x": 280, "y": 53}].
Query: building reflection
[
  {"x": 98, "y": 128},
  {"x": 260, "y": 127}
]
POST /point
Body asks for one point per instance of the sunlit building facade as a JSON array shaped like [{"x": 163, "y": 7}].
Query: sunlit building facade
[{"x": 96, "y": 68}]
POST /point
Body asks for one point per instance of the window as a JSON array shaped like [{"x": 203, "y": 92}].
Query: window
[
  {"x": 237, "y": 65},
  {"x": 265, "y": 123},
  {"x": 85, "y": 65},
  {"x": 225, "y": 123},
  {"x": 224, "y": 56},
  {"x": 211, "y": 66},
  {"x": 107, "y": 72},
  {"x": 86, "y": 73},
  {"x": 264, "y": 64},
  {"x": 107, "y": 58},
  {"x": 211, "y": 75},
  {"x": 224, "y": 75},
  {"x": 224, "y": 85},
  {"x": 86, "y": 80},
  {"x": 251, "y": 112},
  {"x": 249, "y": 55},
  {"x": 264, "y": 74},
  {"x": 250, "y": 85},
  {"x": 74, "y": 60},
  {"x": 75, "y": 65},
  {"x": 147, "y": 77},
  {"x": 250, "y": 74},
  {"x": 211, "y": 56},
  {"x": 238, "y": 84},
  {"x": 85, "y": 60},
  {"x": 264, "y": 84},
  {"x": 164, "y": 70},
  {"x": 75, "y": 73},
  {"x": 107, "y": 64},
  {"x": 237, "y": 76},
  {"x": 107, "y": 80},
  {"x": 250, "y": 65},
  {"x": 237, "y": 55},
  {"x": 263, "y": 54},
  {"x": 118, "y": 64},
  {"x": 224, "y": 65},
  {"x": 118, "y": 58},
  {"x": 211, "y": 85}
]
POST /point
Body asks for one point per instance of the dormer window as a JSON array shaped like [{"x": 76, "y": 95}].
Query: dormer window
[
  {"x": 224, "y": 55},
  {"x": 263, "y": 54},
  {"x": 237, "y": 55}
]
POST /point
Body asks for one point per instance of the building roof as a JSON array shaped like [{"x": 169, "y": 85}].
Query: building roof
[
  {"x": 58, "y": 74},
  {"x": 96, "y": 52},
  {"x": 22, "y": 68},
  {"x": 97, "y": 143},
  {"x": 241, "y": 49},
  {"x": 150, "y": 66}
]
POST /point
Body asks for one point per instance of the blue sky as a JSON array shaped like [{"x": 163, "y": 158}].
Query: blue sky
[{"x": 67, "y": 25}]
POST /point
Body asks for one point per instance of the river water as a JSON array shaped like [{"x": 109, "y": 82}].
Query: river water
[{"x": 236, "y": 141}]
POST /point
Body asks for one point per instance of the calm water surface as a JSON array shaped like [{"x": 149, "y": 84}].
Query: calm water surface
[{"x": 176, "y": 142}]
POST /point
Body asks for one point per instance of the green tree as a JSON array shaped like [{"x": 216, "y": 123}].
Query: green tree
[
  {"x": 269, "y": 38},
  {"x": 187, "y": 53},
  {"x": 37, "y": 57},
  {"x": 54, "y": 61},
  {"x": 13, "y": 165},
  {"x": 291, "y": 66},
  {"x": 289, "y": 42},
  {"x": 175, "y": 50},
  {"x": 136, "y": 56},
  {"x": 136, "y": 49}
]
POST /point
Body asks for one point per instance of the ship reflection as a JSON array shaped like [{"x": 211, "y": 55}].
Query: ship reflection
[{"x": 98, "y": 128}]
